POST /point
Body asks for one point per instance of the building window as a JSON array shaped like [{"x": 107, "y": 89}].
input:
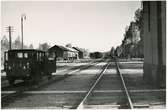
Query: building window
[
  {"x": 19, "y": 55},
  {"x": 6, "y": 56},
  {"x": 25, "y": 55}
]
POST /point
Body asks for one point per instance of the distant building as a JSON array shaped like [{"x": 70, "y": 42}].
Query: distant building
[
  {"x": 63, "y": 53},
  {"x": 80, "y": 52},
  {"x": 71, "y": 54}
]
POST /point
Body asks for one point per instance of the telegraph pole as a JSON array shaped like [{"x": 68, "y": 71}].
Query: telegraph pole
[
  {"x": 23, "y": 16},
  {"x": 10, "y": 29}
]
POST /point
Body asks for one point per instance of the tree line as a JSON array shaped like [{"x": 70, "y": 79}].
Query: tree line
[{"x": 132, "y": 43}]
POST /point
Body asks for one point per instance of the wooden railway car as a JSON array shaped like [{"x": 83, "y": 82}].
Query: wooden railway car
[{"x": 28, "y": 65}]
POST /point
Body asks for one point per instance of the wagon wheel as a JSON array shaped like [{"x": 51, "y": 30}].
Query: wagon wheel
[
  {"x": 49, "y": 76},
  {"x": 34, "y": 78},
  {"x": 38, "y": 77},
  {"x": 11, "y": 81},
  {"x": 28, "y": 81}
]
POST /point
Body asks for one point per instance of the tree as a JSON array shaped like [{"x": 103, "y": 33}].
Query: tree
[
  {"x": 138, "y": 17},
  {"x": 96, "y": 55},
  {"x": 17, "y": 43},
  {"x": 44, "y": 46},
  {"x": 138, "y": 14},
  {"x": 4, "y": 47},
  {"x": 4, "y": 43},
  {"x": 69, "y": 45},
  {"x": 139, "y": 22},
  {"x": 112, "y": 52},
  {"x": 31, "y": 46},
  {"x": 133, "y": 37}
]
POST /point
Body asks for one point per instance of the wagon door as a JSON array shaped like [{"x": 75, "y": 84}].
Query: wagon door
[{"x": 50, "y": 65}]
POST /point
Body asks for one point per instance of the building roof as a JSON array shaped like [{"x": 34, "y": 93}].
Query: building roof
[
  {"x": 71, "y": 49},
  {"x": 62, "y": 48},
  {"x": 78, "y": 49},
  {"x": 53, "y": 48}
]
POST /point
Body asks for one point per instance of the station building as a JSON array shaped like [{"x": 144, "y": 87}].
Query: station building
[{"x": 63, "y": 53}]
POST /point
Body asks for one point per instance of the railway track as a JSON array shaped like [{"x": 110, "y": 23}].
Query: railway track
[
  {"x": 97, "y": 97},
  {"x": 81, "y": 104},
  {"x": 127, "y": 103},
  {"x": 85, "y": 88},
  {"x": 130, "y": 105},
  {"x": 12, "y": 93}
]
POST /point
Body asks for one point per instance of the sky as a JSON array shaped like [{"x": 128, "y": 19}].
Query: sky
[{"x": 96, "y": 26}]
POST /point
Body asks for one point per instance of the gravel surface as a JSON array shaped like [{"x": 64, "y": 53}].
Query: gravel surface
[
  {"x": 114, "y": 98},
  {"x": 134, "y": 81},
  {"x": 46, "y": 100},
  {"x": 129, "y": 65}
]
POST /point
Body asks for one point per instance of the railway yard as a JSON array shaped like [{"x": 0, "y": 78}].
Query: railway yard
[
  {"x": 95, "y": 84},
  {"x": 83, "y": 55}
]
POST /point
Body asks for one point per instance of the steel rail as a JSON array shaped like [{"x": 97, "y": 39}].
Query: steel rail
[
  {"x": 124, "y": 85},
  {"x": 80, "y": 106}
]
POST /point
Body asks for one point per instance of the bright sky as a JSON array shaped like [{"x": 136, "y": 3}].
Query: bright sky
[{"x": 96, "y": 26}]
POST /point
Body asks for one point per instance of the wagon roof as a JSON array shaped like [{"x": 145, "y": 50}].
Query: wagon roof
[{"x": 25, "y": 50}]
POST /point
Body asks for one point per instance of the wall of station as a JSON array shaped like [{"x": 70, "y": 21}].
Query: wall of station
[{"x": 155, "y": 42}]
